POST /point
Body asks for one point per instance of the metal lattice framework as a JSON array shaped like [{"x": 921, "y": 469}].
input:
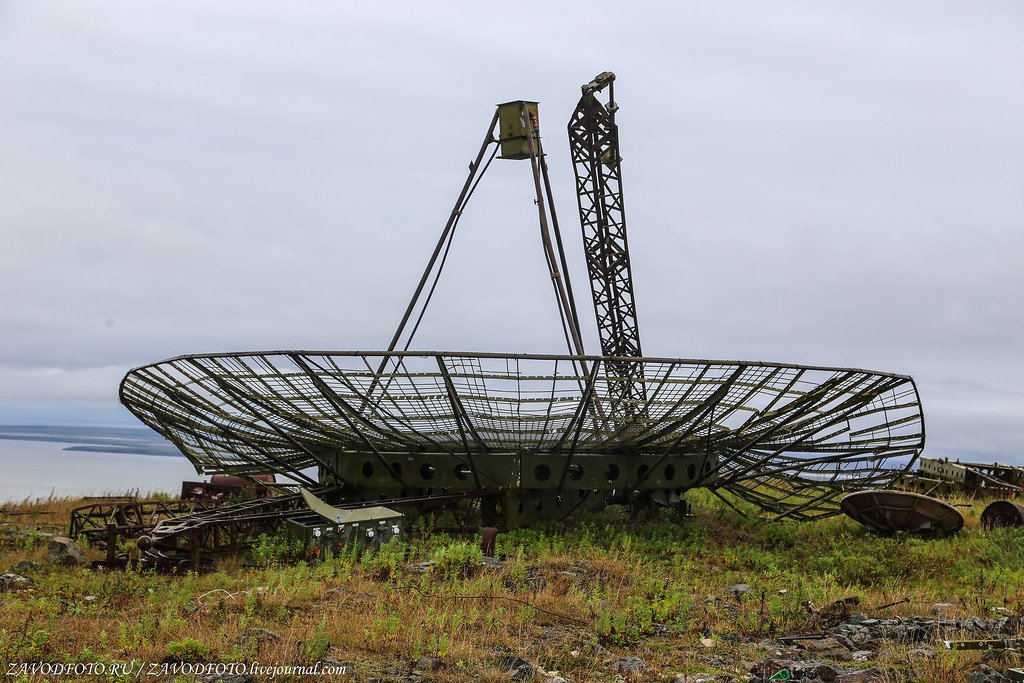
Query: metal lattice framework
[
  {"x": 594, "y": 146},
  {"x": 539, "y": 436},
  {"x": 788, "y": 438}
]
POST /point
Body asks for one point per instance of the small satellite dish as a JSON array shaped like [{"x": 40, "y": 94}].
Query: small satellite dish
[
  {"x": 888, "y": 511},
  {"x": 1002, "y": 513}
]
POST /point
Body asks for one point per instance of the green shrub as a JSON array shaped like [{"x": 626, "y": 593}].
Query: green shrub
[
  {"x": 319, "y": 642},
  {"x": 383, "y": 564},
  {"x": 458, "y": 560},
  {"x": 271, "y": 550},
  {"x": 189, "y": 650}
]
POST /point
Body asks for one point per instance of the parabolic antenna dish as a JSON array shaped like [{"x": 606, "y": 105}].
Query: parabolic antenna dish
[
  {"x": 902, "y": 511},
  {"x": 1002, "y": 513},
  {"x": 790, "y": 439}
]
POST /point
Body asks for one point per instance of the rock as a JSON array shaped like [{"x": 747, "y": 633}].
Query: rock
[
  {"x": 15, "y": 582},
  {"x": 829, "y": 648},
  {"x": 817, "y": 670},
  {"x": 861, "y": 655},
  {"x": 846, "y": 642},
  {"x": 628, "y": 665},
  {"x": 856, "y": 618},
  {"x": 64, "y": 551},
  {"x": 516, "y": 667},
  {"x": 974, "y": 624},
  {"x": 420, "y": 567},
  {"x": 862, "y": 640},
  {"x": 429, "y": 663},
  {"x": 862, "y": 676},
  {"x": 806, "y": 670},
  {"x": 739, "y": 589},
  {"x": 258, "y": 636},
  {"x": 983, "y": 673},
  {"x": 25, "y": 566},
  {"x": 767, "y": 668}
]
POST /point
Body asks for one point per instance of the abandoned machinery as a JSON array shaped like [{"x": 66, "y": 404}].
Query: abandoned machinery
[
  {"x": 892, "y": 511},
  {"x": 531, "y": 436},
  {"x": 957, "y": 477}
]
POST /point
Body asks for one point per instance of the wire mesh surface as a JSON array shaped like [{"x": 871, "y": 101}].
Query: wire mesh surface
[{"x": 788, "y": 438}]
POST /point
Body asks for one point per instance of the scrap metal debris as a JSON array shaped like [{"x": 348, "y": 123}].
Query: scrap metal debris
[
  {"x": 891, "y": 511},
  {"x": 1002, "y": 513},
  {"x": 946, "y": 477}
]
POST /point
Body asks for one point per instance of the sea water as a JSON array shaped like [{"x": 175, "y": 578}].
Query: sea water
[{"x": 38, "y": 469}]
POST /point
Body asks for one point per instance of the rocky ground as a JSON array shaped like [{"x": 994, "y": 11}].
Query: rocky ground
[
  {"x": 717, "y": 598},
  {"x": 846, "y": 652}
]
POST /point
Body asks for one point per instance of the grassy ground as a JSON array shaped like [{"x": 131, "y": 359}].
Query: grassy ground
[{"x": 574, "y": 598}]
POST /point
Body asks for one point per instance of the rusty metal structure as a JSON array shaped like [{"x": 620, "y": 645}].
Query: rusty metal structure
[
  {"x": 539, "y": 436},
  {"x": 957, "y": 477},
  {"x": 1002, "y": 513},
  {"x": 890, "y": 511},
  {"x": 594, "y": 145},
  {"x": 101, "y": 521},
  {"x": 222, "y": 487},
  {"x": 186, "y": 541}
]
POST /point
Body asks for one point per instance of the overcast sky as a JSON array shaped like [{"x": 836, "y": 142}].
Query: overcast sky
[{"x": 821, "y": 183}]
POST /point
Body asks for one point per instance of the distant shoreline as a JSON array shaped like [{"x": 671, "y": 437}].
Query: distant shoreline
[
  {"x": 125, "y": 450},
  {"x": 118, "y": 440}
]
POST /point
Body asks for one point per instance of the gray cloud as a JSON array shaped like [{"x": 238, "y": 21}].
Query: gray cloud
[{"x": 814, "y": 183}]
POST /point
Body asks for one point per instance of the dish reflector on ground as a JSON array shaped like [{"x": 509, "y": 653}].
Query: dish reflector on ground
[{"x": 902, "y": 511}]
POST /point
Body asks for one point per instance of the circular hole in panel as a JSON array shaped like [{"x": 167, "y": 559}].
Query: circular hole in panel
[
  {"x": 462, "y": 471},
  {"x": 691, "y": 472},
  {"x": 367, "y": 470},
  {"x": 670, "y": 472},
  {"x": 427, "y": 471},
  {"x": 611, "y": 472},
  {"x": 542, "y": 472},
  {"x": 575, "y": 472}
]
